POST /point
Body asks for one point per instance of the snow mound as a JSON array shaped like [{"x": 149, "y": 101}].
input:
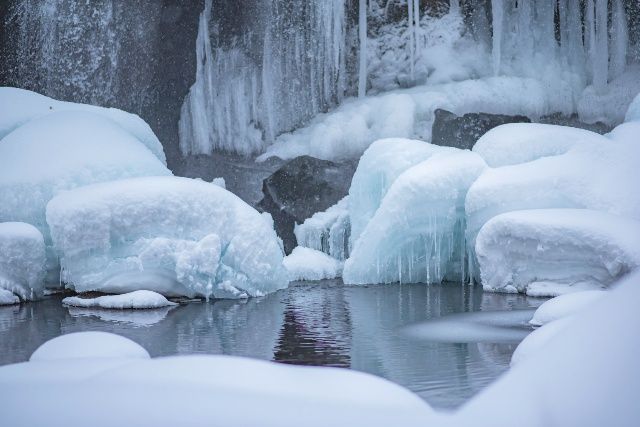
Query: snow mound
[
  {"x": 633, "y": 112},
  {"x": 564, "y": 306},
  {"x": 417, "y": 233},
  {"x": 19, "y": 106},
  {"x": 87, "y": 345},
  {"x": 327, "y": 231},
  {"x": 175, "y": 236},
  {"x": 537, "y": 340},
  {"x": 347, "y": 131},
  {"x": 138, "y": 299},
  {"x": 564, "y": 246},
  {"x": 310, "y": 264},
  {"x": 8, "y": 298},
  {"x": 22, "y": 261},
  {"x": 516, "y": 143}
]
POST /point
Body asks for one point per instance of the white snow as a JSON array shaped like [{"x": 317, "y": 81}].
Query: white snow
[
  {"x": 22, "y": 262},
  {"x": 137, "y": 300},
  {"x": 19, "y": 106},
  {"x": 609, "y": 105},
  {"x": 175, "y": 236},
  {"x": 88, "y": 345},
  {"x": 8, "y": 297},
  {"x": 565, "y": 305},
  {"x": 564, "y": 246},
  {"x": 536, "y": 342},
  {"x": 633, "y": 112},
  {"x": 310, "y": 264},
  {"x": 327, "y": 231}
]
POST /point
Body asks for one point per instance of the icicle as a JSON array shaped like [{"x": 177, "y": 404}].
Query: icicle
[
  {"x": 497, "y": 9},
  {"x": 619, "y": 39},
  {"x": 454, "y": 6},
  {"x": 590, "y": 37},
  {"x": 362, "y": 31},
  {"x": 412, "y": 42},
  {"x": 601, "y": 67},
  {"x": 416, "y": 26}
]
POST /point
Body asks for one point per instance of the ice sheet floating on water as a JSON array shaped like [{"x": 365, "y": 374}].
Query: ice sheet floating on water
[
  {"x": 175, "y": 236},
  {"x": 137, "y": 300},
  {"x": 22, "y": 262}
]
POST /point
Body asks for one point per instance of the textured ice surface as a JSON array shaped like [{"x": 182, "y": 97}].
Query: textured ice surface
[
  {"x": 563, "y": 246},
  {"x": 88, "y": 345},
  {"x": 137, "y": 299},
  {"x": 175, "y": 236},
  {"x": 327, "y": 231},
  {"x": 22, "y": 261},
  {"x": 633, "y": 112},
  {"x": 565, "y": 305},
  {"x": 19, "y": 106},
  {"x": 417, "y": 233},
  {"x": 310, "y": 264},
  {"x": 537, "y": 340},
  {"x": 8, "y": 298}
]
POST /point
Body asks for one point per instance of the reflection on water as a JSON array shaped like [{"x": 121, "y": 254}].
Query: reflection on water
[{"x": 325, "y": 323}]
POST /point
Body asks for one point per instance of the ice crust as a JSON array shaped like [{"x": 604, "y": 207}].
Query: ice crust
[
  {"x": 310, "y": 264},
  {"x": 141, "y": 299},
  {"x": 22, "y": 262},
  {"x": 328, "y": 231},
  {"x": 175, "y": 236},
  {"x": 565, "y": 305}
]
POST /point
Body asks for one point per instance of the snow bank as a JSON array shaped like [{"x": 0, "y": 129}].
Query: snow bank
[
  {"x": 536, "y": 341},
  {"x": 22, "y": 262},
  {"x": 175, "y": 236},
  {"x": 137, "y": 299},
  {"x": 633, "y": 112},
  {"x": 327, "y": 231},
  {"x": 88, "y": 345},
  {"x": 310, "y": 264},
  {"x": 565, "y": 305},
  {"x": 19, "y": 106},
  {"x": 417, "y": 233},
  {"x": 347, "y": 131},
  {"x": 564, "y": 246}
]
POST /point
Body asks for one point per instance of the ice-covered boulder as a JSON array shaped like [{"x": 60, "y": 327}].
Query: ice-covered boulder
[
  {"x": 175, "y": 236},
  {"x": 417, "y": 233},
  {"x": 141, "y": 299},
  {"x": 310, "y": 264},
  {"x": 327, "y": 231},
  {"x": 568, "y": 247},
  {"x": 22, "y": 261},
  {"x": 451, "y": 130},
  {"x": 19, "y": 106},
  {"x": 88, "y": 345},
  {"x": 564, "y": 306}
]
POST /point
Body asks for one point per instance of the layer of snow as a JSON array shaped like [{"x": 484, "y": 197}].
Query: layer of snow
[
  {"x": 88, "y": 345},
  {"x": 19, "y": 106},
  {"x": 417, "y": 233},
  {"x": 327, "y": 231},
  {"x": 136, "y": 299},
  {"x": 22, "y": 261},
  {"x": 310, "y": 264},
  {"x": 8, "y": 297},
  {"x": 633, "y": 112},
  {"x": 175, "y": 236},
  {"x": 565, "y": 305},
  {"x": 564, "y": 246},
  {"x": 536, "y": 341}
]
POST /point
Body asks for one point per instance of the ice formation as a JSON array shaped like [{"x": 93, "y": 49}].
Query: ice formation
[
  {"x": 175, "y": 236},
  {"x": 88, "y": 345},
  {"x": 633, "y": 112},
  {"x": 327, "y": 231},
  {"x": 565, "y": 305},
  {"x": 19, "y": 106},
  {"x": 564, "y": 246},
  {"x": 8, "y": 298},
  {"x": 417, "y": 233},
  {"x": 310, "y": 264},
  {"x": 22, "y": 262},
  {"x": 137, "y": 299}
]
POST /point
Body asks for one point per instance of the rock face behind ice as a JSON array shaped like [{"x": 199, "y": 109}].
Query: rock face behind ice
[
  {"x": 22, "y": 261},
  {"x": 175, "y": 236},
  {"x": 299, "y": 189},
  {"x": 450, "y": 130}
]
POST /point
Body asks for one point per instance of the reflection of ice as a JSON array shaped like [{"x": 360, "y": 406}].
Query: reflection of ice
[{"x": 145, "y": 317}]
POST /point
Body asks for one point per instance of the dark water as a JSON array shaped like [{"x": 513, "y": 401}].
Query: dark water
[{"x": 459, "y": 340}]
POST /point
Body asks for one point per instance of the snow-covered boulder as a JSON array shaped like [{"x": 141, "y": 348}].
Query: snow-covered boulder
[
  {"x": 175, "y": 236},
  {"x": 564, "y": 306},
  {"x": 536, "y": 341},
  {"x": 517, "y": 249},
  {"x": 141, "y": 299},
  {"x": 19, "y": 106},
  {"x": 88, "y": 345},
  {"x": 327, "y": 231},
  {"x": 8, "y": 298},
  {"x": 310, "y": 264},
  {"x": 22, "y": 261},
  {"x": 417, "y": 233}
]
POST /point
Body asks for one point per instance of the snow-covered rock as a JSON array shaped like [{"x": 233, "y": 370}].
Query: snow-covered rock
[
  {"x": 564, "y": 306},
  {"x": 88, "y": 345},
  {"x": 175, "y": 236},
  {"x": 137, "y": 299},
  {"x": 536, "y": 341},
  {"x": 310, "y": 264},
  {"x": 8, "y": 298},
  {"x": 417, "y": 233},
  {"x": 19, "y": 106},
  {"x": 563, "y": 246},
  {"x": 22, "y": 262},
  {"x": 327, "y": 231}
]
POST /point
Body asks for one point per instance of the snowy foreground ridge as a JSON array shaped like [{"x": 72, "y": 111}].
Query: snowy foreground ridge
[{"x": 98, "y": 370}]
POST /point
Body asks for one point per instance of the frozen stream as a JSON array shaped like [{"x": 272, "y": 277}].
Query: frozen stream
[{"x": 444, "y": 342}]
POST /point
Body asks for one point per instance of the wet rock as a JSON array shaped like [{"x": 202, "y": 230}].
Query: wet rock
[{"x": 452, "y": 130}]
